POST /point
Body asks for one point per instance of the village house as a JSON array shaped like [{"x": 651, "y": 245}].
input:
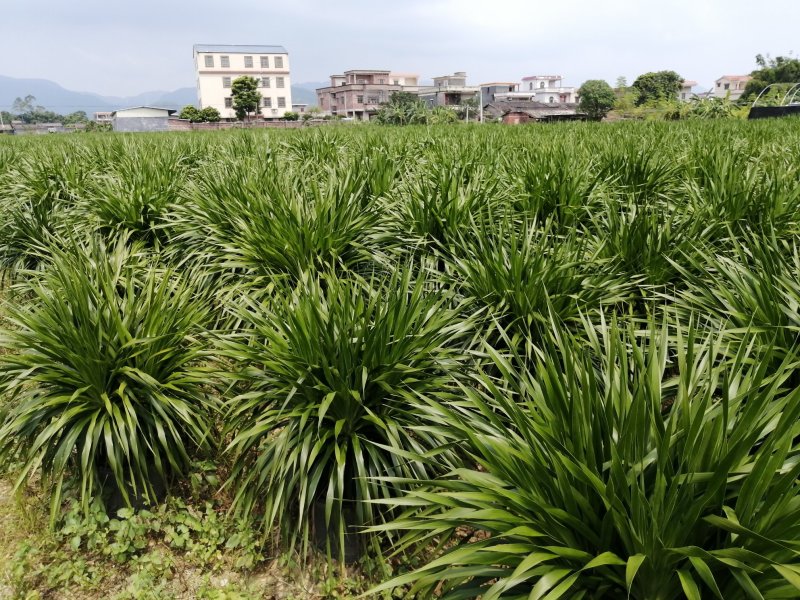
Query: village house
[
  {"x": 218, "y": 65},
  {"x": 449, "y": 90},
  {"x": 547, "y": 89},
  {"x": 358, "y": 93},
  {"x": 685, "y": 94},
  {"x": 730, "y": 86}
]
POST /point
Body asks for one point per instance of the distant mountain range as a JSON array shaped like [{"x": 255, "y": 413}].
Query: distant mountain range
[{"x": 53, "y": 97}]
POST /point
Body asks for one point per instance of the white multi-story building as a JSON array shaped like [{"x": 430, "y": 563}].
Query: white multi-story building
[
  {"x": 547, "y": 89},
  {"x": 217, "y": 66}
]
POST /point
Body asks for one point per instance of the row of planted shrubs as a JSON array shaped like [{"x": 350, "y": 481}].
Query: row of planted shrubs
[{"x": 554, "y": 362}]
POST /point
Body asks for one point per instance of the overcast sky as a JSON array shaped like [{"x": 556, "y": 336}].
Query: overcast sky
[{"x": 123, "y": 48}]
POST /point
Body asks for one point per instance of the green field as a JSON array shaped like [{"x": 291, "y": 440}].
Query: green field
[{"x": 529, "y": 362}]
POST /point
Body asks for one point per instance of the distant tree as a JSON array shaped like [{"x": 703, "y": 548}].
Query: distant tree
[
  {"x": 246, "y": 96},
  {"x": 94, "y": 126},
  {"x": 781, "y": 69},
  {"x": 291, "y": 116},
  {"x": 190, "y": 113},
  {"x": 75, "y": 118},
  {"x": 29, "y": 112},
  {"x": 596, "y": 98},
  {"x": 442, "y": 115},
  {"x": 622, "y": 82},
  {"x": 403, "y": 108},
  {"x": 657, "y": 86},
  {"x": 26, "y": 105},
  {"x": 210, "y": 114},
  {"x": 709, "y": 108}
]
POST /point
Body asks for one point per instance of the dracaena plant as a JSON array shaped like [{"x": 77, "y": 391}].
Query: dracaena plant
[
  {"x": 627, "y": 463},
  {"x": 325, "y": 374},
  {"x": 103, "y": 378},
  {"x": 527, "y": 272},
  {"x": 36, "y": 206}
]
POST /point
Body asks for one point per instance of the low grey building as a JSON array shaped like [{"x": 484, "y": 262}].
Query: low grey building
[{"x": 141, "y": 118}]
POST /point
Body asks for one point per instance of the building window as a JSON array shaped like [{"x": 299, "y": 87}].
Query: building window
[
  {"x": 248, "y": 62},
  {"x": 381, "y": 81},
  {"x": 278, "y": 62},
  {"x": 225, "y": 62},
  {"x": 265, "y": 82},
  {"x": 228, "y": 102},
  {"x": 360, "y": 99},
  {"x": 396, "y": 82},
  {"x": 226, "y": 82},
  {"x": 265, "y": 62},
  {"x": 541, "y": 85},
  {"x": 279, "y": 82},
  {"x": 281, "y": 102},
  {"x": 683, "y": 96},
  {"x": 552, "y": 100},
  {"x": 209, "y": 61},
  {"x": 727, "y": 86},
  {"x": 267, "y": 102},
  {"x": 718, "y": 84}
]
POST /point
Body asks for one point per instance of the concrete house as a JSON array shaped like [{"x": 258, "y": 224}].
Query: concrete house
[
  {"x": 141, "y": 118},
  {"x": 449, "y": 90},
  {"x": 358, "y": 93},
  {"x": 731, "y": 86},
  {"x": 490, "y": 90},
  {"x": 685, "y": 94},
  {"x": 546, "y": 89},
  {"x": 218, "y": 65}
]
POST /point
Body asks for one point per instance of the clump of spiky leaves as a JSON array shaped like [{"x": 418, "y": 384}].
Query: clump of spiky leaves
[
  {"x": 753, "y": 288},
  {"x": 643, "y": 239},
  {"x": 103, "y": 381},
  {"x": 325, "y": 373},
  {"x": 36, "y": 199},
  {"x": 133, "y": 196},
  {"x": 433, "y": 204},
  {"x": 629, "y": 463},
  {"x": 734, "y": 186},
  {"x": 258, "y": 220},
  {"x": 527, "y": 272},
  {"x": 557, "y": 183}
]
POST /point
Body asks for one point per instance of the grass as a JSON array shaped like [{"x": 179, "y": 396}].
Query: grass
[{"x": 535, "y": 362}]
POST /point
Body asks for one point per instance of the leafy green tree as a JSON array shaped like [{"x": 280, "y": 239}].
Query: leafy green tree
[
  {"x": 442, "y": 114},
  {"x": 657, "y": 86},
  {"x": 207, "y": 115},
  {"x": 403, "y": 108},
  {"x": 710, "y": 108},
  {"x": 26, "y": 105},
  {"x": 79, "y": 116},
  {"x": 291, "y": 116},
  {"x": 210, "y": 115},
  {"x": 191, "y": 113},
  {"x": 781, "y": 69},
  {"x": 596, "y": 98},
  {"x": 246, "y": 96}
]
